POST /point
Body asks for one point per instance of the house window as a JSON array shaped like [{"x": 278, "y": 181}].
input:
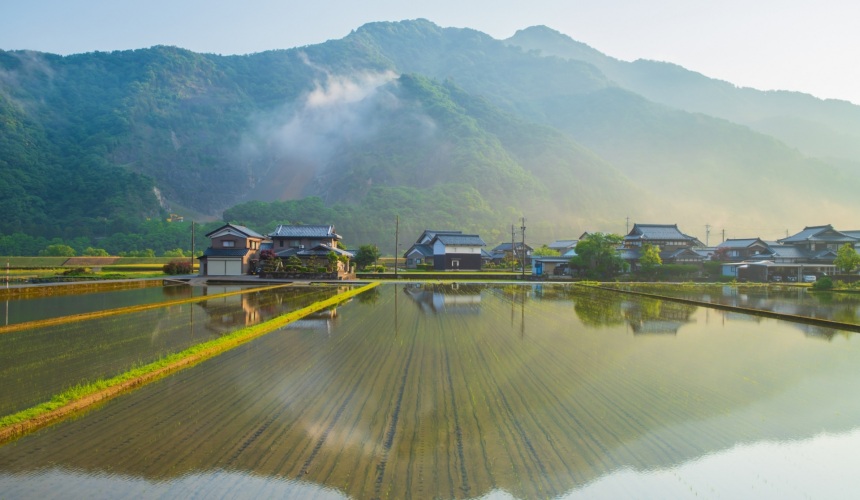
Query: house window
[
  {"x": 455, "y": 263},
  {"x": 228, "y": 244},
  {"x": 281, "y": 243}
]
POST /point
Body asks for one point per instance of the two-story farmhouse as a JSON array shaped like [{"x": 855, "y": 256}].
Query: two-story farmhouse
[
  {"x": 231, "y": 250},
  {"x": 446, "y": 250},
  {"x": 675, "y": 246},
  {"x": 308, "y": 243}
]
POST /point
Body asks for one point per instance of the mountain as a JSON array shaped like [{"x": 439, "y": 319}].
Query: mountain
[
  {"x": 439, "y": 126},
  {"x": 827, "y": 129}
]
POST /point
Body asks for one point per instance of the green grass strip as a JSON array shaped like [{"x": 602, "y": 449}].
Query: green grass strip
[
  {"x": 72, "y": 318},
  {"x": 87, "y": 395}
]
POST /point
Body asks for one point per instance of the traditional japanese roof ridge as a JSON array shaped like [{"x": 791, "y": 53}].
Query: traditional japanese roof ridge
[
  {"x": 429, "y": 234},
  {"x": 424, "y": 250},
  {"x": 789, "y": 252},
  {"x": 502, "y": 247},
  {"x": 740, "y": 242},
  {"x": 308, "y": 231},
  {"x": 656, "y": 232},
  {"x": 460, "y": 239},
  {"x": 811, "y": 233},
  {"x": 557, "y": 244},
  {"x": 244, "y": 230}
]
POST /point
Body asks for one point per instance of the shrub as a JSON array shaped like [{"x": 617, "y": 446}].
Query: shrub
[
  {"x": 177, "y": 267},
  {"x": 77, "y": 271},
  {"x": 824, "y": 283}
]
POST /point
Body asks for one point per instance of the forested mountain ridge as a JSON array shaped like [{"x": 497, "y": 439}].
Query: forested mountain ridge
[
  {"x": 441, "y": 126},
  {"x": 826, "y": 128}
]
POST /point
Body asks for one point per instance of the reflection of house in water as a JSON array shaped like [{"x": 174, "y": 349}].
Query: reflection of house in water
[
  {"x": 225, "y": 313},
  {"x": 451, "y": 299},
  {"x": 652, "y": 316},
  {"x": 322, "y": 321}
]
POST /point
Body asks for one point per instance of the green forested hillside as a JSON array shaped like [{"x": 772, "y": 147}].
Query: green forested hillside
[{"x": 443, "y": 127}]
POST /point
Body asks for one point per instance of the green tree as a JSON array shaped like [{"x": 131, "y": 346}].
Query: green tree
[
  {"x": 96, "y": 252},
  {"x": 847, "y": 258},
  {"x": 597, "y": 255},
  {"x": 366, "y": 255},
  {"x": 332, "y": 261},
  {"x": 650, "y": 259},
  {"x": 58, "y": 250},
  {"x": 176, "y": 252},
  {"x": 545, "y": 251}
]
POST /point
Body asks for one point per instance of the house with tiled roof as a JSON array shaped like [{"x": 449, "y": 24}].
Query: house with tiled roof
[
  {"x": 563, "y": 246},
  {"x": 815, "y": 239},
  {"x": 504, "y": 251},
  {"x": 286, "y": 237},
  {"x": 743, "y": 249},
  {"x": 231, "y": 251},
  {"x": 675, "y": 246},
  {"x": 451, "y": 250},
  {"x": 312, "y": 244}
]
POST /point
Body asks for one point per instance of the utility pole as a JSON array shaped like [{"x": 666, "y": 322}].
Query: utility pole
[
  {"x": 192, "y": 247},
  {"x": 707, "y": 234},
  {"x": 513, "y": 250},
  {"x": 396, "y": 242},
  {"x": 724, "y": 235},
  {"x": 523, "y": 227},
  {"x": 628, "y": 225}
]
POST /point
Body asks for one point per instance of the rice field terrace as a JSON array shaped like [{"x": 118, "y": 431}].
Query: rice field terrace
[{"x": 450, "y": 391}]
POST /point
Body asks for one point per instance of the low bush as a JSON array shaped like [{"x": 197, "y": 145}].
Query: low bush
[
  {"x": 177, "y": 267},
  {"x": 824, "y": 283}
]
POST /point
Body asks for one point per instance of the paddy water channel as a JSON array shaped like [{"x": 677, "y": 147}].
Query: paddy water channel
[{"x": 469, "y": 391}]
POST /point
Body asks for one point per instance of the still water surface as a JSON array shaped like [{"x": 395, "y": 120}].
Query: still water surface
[
  {"x": 479, "y": 391},
  {"x": 39, "y": 362}
]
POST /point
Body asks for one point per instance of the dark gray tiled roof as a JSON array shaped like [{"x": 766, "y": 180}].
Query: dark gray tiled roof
[
  {"x": 225, "y": 252},
  {"x": 244, "y": 230},
  {"x": 283, "y": 231},
  {"x": 819, "y": 233},
  {"x": 460, "y": 239},
  {"x": 506, "y": 247},
  {"x": 656, "y": 232},
  {"x": 424, "y": 250},
  {"x": 562, "y": 244},
  {"x": 739, "y": 243}
]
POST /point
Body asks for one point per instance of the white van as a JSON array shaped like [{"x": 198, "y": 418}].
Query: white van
[{"x": 809, "y": 278}]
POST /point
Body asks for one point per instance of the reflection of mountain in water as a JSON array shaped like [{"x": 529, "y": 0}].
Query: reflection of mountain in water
[{"x": 448, "y": 299}]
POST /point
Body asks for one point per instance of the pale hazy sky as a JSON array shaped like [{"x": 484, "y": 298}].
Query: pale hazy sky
[{"x": 808, "y": 46}]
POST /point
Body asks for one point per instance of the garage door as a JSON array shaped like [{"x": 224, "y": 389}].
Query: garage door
[
  {"x": 217, "y": 267},
  {"x": 234, "y": 268}
]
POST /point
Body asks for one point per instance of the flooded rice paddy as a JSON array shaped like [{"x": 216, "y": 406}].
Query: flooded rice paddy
[
  {"x": 39, "y": 362},
  {"x": 470, "y": 391}
]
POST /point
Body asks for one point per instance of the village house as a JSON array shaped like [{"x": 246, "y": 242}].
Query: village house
[
  {"x": 742, "y": 249},
  {"x": 446, "y": 250},
  {"x": 311, "y": 244},
  {"x": 800, "y": 257},
  {"x": 231, "y": 251},
  {"x": 675, "y": 246},
  {"x": 504, "y": 252}
]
